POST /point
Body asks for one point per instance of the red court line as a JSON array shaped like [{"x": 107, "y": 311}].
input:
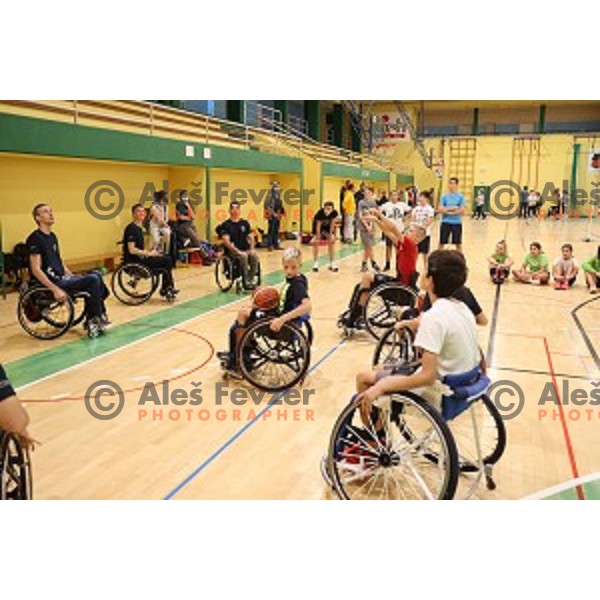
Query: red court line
[
  {"x": 563, "y": 421},
  {"x": 141, "y": 387}
]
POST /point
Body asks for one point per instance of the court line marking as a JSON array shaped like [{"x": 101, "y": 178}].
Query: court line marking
[
  {"x": 534, "y": 372},
  {"x": 582, "y": 330},
  {"x": 174, "y": 491},
  {"x": 493, "y": 327},
  {"x": 353, "y": 252},
  {"x": 565, "y": 429},
  {"x": 561, "y": 487}
]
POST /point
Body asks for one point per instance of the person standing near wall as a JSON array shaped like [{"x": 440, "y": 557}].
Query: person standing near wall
[
  {"x": 357, "y": 198},
  {"x": 348, "y": 211},
  {"x": 274, "y": 212},
  {"x": 452, "y": 208},
  {"x": 523, "y": 202}
]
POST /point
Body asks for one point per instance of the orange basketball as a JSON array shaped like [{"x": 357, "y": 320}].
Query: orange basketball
[{"x": 266, "y": 297}]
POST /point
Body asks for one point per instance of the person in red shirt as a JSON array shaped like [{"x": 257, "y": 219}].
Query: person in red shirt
[{"x": 407, "y": 253}]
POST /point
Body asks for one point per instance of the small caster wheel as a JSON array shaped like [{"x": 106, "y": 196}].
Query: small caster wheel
[{"x": 490, "y": 483}]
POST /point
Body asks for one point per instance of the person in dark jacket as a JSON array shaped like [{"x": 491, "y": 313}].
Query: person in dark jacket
[{"x": 274, "y": 212}]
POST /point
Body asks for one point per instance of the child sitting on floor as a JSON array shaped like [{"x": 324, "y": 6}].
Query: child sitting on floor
[{"x": 500, "y": 263}]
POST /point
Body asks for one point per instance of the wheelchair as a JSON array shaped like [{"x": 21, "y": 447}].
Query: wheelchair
[
  {"x": 135, "y": 283},
  {"x": 228, "y": 274},
  {"x": 406, "y": 448},
  {"x": 273, "y": 361},
  {"x": 15, "y": 469},
  {"x": 385, "y": 305},
  {"x": 43, "y": 317}
]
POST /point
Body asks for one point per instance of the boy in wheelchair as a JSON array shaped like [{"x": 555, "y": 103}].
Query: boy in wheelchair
[
  {"x": 49, "y": 270},
  {"x": 406, "y": 266},
  {"x": 294, "y": 306},
  {"x": 446, "y": 335}
]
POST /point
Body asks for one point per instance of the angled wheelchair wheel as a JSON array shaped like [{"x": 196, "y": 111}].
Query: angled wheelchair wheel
[
  {"x": 224, "y": 273},
  {"x": 43, "y": 317},
  {"x": 384, "y": 306},
  {"x": 492, "y": 435},
  {"x": 133, "y": 283},
  {"x": 78, "y": 300},
  {"x": 395, "y": 347},
  {"x": 371, "y": 457},
  {"x": 273, "y": 361},
  {"x": 15, "y": 469}
]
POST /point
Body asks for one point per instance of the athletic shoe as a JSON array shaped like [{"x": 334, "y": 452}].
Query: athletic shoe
[
  {"x": 558, "y": 285},
  {"x": 94, "y": 329},
  {"x": 333, "y": 267},
  {"x": 534, "y": 281},
  {"x": 386, "y": 267},
  {"x": 363, "y": 267},
  {"x": 565, "y": 285},
  {"x": 223, "y": 355},
  {"x": 593, "y": 290},
  {"x": 316, "y": 267},
  {"x": 375, "y": 266}
]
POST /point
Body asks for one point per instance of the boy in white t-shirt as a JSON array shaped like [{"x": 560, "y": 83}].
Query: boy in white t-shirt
[
  {"x": 396, "y": 211},
  {"x": 447, "y": 335},
  {"x": 423, "y": 215}
]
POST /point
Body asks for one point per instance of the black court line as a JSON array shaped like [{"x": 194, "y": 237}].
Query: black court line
[
  {"x": 490, "y": 349},
  {"x": 534, "y": 372},
  {"x": 582, "y": 331}
]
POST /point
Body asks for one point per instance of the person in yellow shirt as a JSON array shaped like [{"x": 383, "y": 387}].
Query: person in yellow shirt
[{"x": 349, "y": 208}]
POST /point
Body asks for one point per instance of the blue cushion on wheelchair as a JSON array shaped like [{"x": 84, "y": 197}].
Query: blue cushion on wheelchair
[{"x": 466, "y": 387}]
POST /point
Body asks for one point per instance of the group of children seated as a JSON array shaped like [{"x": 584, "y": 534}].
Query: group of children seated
[{"x": 536, "y": 268}]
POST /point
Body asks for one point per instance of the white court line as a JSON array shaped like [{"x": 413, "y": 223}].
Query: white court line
[
  {"x": 561, "y": 487},
  {"x": 148, "y": 337}
]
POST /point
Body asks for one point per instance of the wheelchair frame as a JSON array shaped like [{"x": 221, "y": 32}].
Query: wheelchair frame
[
  {"x": 225, "y": 263},
  {"x": 15, "y": 469}
]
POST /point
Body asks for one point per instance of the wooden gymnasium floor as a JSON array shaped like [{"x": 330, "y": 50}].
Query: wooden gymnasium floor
[{"x": 532, "y": 337}]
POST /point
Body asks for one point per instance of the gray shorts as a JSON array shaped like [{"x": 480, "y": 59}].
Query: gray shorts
[{"x": 367, "y": 238}]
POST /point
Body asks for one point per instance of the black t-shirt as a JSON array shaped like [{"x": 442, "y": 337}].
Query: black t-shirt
[
  {"x": 464, "y": 294},
  {"x": 6, "y": 389},
  {"x": 183, "y": 209},
  {"x": 326, "y": 221},
  {"x": 134, "y": 234},
  {"x": 46, "y": 245},
  {"x": 237, "y": 231},
  {"x": 293, "y": 292}
]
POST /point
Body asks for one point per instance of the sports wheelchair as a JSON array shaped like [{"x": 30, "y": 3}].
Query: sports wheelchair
[
  {"x": 15, "y": 469},
  {"x": 273, "y": 361},
  {"x": 385, "y": 305},
  {"x": 42, "y": 316},
  {"x": 134, "y": 283},
  {"x": 228, "y": 274},
  {"x": 406, "y": 448}
]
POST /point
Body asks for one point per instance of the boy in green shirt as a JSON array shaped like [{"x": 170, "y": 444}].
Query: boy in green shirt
[
  {"x": 591, "y": 268},
  {"x": 500, "y": 263},
  {"x": 535, "y": 267}
]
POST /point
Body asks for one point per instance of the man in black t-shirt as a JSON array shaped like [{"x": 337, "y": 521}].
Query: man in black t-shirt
[
  {"x": 323, "y": 228},
  {"x": 239, "y": 244},
  {"x": 133, "y": 251},
  {"x": 48, "y": 268},
  {"x": 187, "y": 229}
]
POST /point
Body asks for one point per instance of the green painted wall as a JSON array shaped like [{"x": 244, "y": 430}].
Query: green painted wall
[{"x": 337, "y": 170}]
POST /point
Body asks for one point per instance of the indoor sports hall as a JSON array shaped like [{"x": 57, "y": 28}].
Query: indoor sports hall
[{"x": 138, "y": 402}]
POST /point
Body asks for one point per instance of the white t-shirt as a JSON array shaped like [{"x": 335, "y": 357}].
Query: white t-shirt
[
  {"x": 396, "y": 212},
  {"x": 448, "y": 329},
  {"x": 421, "y": 214},
  {"x": 566, "y": 263}
]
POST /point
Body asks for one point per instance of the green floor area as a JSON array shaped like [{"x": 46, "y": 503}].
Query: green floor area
[
  {"x": 42, "y": 364},
  {"x": 591, "y": 491}
]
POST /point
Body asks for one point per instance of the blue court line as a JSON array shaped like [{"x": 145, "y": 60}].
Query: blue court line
[{"x": 237, "y": 435}]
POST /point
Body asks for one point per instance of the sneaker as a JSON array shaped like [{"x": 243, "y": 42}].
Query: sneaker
[
  {"x": 375, "y": 266},
  {"x": 386, "y": 267},
  {"x": 593, "y": 290},
  {"x": 93, "y": 327},
  {"x": 333, "y": 267},
  {"x": 223, "y": 355},
  {"x": 316, "y": 267},
  {"x": 534, "y": 281},
  {"x": 565, "y": 285},
  {"x": 558, "y": 285},
  {"x": 363, "y": 267}
]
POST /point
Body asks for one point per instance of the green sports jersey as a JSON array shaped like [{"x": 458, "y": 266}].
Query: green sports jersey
[
  {"x": 500, "y": 258},
  {"x": 592, "y": 265},
  {"x": 536, "y": 263}
]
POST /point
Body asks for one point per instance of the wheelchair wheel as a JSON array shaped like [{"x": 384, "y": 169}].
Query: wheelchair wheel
[
  {"x": 224, "y": 273},
  {"x": 15, "y": 469},
  {"x": 371, "y": 457},
  {"x": 492, "y": 435},
  {"x": 307, "y": 329},
  {"x": 273, "y": 361},
  {"x": 395, "y": 347},
  {"x": 133, "y": 283},
  {"x": 41, "y": 316},
  {"x": 78, "y": 300},
  {"x": 384, "y": 305}
]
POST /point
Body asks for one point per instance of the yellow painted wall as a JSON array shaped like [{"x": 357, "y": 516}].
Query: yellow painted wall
[{"x": 28, "y": 180}]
